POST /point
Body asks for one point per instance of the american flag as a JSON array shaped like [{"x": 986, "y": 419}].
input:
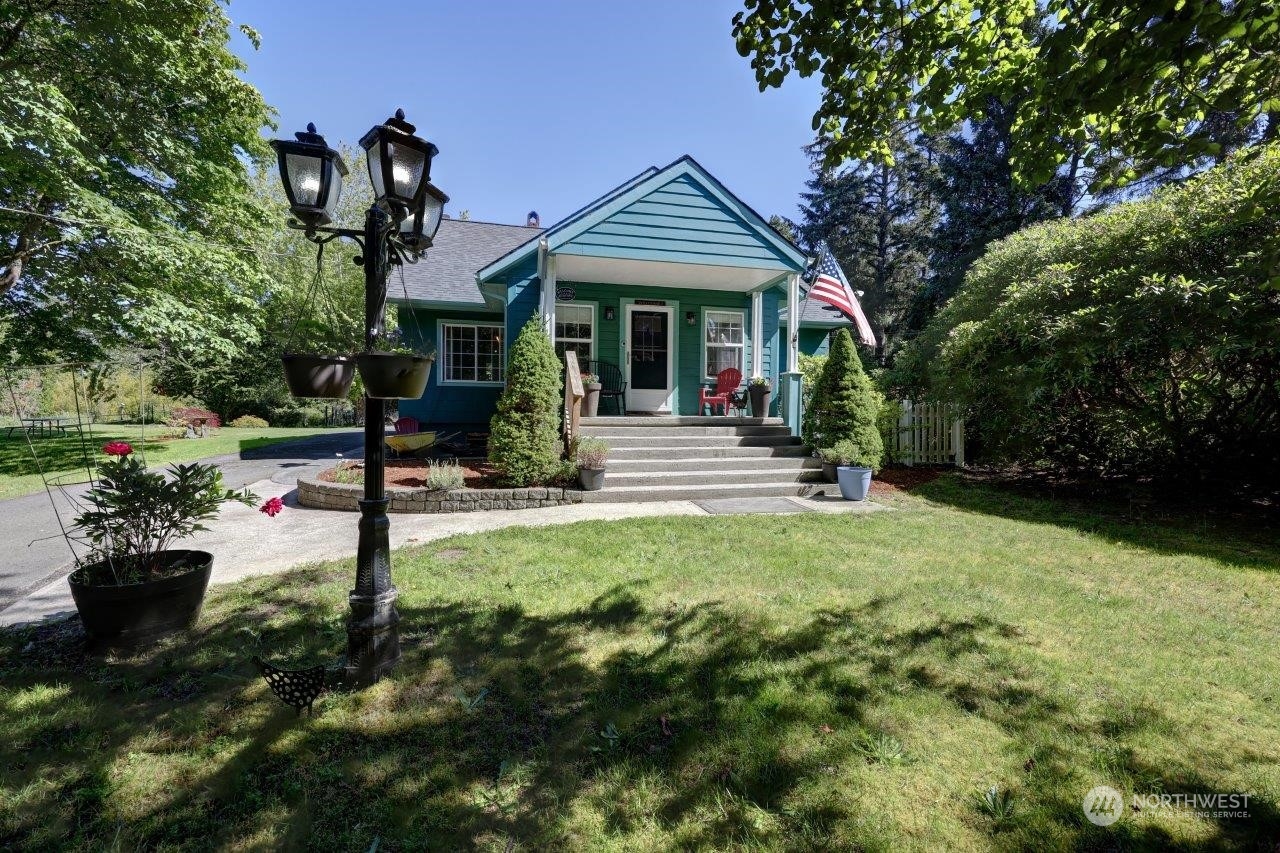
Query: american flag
[{"x": 828, "y": 284}]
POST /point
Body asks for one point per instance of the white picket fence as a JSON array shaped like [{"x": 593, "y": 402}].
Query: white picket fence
[{"x": 929, "y": 434}]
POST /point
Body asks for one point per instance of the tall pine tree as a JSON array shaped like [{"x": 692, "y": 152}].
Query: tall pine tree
[{"x": 877, "y": 219}]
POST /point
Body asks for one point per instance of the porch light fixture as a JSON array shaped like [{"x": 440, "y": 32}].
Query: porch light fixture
[
  {"x": 312, "y": 174},
  {"x": 690, "y": 318},
  {"x": 399, "y": 165},
  {"x": 419, "y": 230}
]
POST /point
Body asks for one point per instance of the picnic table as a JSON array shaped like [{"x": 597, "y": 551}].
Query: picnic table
[{"x": 43, "y": 426}]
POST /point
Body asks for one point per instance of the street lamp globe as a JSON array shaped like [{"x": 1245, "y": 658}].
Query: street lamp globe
[
  {"x": 312, "y": 174},
  {"x": 399, "y": 165},
  {"x": 418, "y": 231}
]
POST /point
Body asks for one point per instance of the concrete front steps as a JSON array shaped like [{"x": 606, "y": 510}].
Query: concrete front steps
[{"x": 701, "y": 458}]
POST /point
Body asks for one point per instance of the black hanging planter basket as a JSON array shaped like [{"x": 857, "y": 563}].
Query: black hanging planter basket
[
  {"x": 134, "y": 614},
  {"x": 392, "y": 376},
  {"x": 319, "y": 375}
]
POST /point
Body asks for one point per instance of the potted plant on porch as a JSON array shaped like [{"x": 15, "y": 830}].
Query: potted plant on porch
[
  {"x": 135, "y": 586},
  {"x": 590, "y": 455},
  {"x": 393, "y": 369},
  {"x": 590, "y": 395},
  {"x": 761, "y": 391}
]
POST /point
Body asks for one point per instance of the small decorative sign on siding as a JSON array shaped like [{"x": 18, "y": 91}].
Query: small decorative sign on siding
[{"x": 564, "y": 294}]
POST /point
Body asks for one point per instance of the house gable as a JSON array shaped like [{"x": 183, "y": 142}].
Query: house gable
[
  {"x": 681, "y": 220},
  {"x": 677, "y": 214}
]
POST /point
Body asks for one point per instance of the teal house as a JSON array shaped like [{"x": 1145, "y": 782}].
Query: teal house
[{"x": 669, "y": 276}]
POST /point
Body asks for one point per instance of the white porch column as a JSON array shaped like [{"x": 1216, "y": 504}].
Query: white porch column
[
  {"x": 547, "y": 301},
  {"x": 757, "y": 334},
  {"x": 793, "y": 322}
]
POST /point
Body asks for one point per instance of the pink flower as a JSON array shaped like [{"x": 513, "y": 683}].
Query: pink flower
[
  {"x": 272, "y": 507},
  {"x": 117, "y": 448}
]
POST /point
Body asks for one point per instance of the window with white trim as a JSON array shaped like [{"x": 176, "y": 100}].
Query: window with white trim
[
  {"x": 723, "y": 333},
  {"x": 472, "y": 353},
  {"x": 575, "y": 329}
]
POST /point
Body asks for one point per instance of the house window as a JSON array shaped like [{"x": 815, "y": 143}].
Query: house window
[
  {"x": 472, "y": 353},
  {"x": 724, "y": 340},
  {"x": 575, "y": 330}
]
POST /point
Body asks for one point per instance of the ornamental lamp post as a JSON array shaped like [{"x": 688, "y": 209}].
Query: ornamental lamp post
[{"x": 398, "y": 228}]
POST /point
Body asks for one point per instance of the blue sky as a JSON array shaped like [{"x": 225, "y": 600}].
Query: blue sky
[{"x": 537, "y": 105}]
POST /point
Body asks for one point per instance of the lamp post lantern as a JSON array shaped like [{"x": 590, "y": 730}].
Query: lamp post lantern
[{"x": 398, "y": 227}]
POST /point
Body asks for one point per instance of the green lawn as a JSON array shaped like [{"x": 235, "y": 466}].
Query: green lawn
[
  {"x": 801, "y": 682},
  {"x": 62, "y": 456}
]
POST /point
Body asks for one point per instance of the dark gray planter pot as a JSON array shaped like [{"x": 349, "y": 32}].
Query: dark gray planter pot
[
  {"x": 854, "y": 482},
  {"x": 392, "y": 376},
  {"x": 591, "y": 479},
  {"x": 319, "y": 375},
  {"x": 138, "y": 613},
  {"x": 761, "y": 398},
  {"x": 591, "y": 400}
]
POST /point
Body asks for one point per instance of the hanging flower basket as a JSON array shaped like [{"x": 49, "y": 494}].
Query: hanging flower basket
[
  {"x": 319, "y": 375},
  {"x": 394, "y": 376}
]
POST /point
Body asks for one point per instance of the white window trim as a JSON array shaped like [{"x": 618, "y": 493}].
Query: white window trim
[
  {"x": 442, "y": 341},
  {"x": 742, "y": 347},
  {"x": 592, "y": 342}
]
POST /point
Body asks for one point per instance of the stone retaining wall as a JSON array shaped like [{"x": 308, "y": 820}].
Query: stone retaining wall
[{"x": 319, "y": 494}]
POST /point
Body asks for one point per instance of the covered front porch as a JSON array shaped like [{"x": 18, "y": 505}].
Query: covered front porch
[
  {"x": 663, "y": 331},
  {"x": 659, "y": 286}
]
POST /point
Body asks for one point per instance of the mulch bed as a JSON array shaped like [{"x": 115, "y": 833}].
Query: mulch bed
[
  {"x": 890, "y": 481},
  {"x": 412, "y": 473}
]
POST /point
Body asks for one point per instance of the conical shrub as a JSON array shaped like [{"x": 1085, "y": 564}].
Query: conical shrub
[
  {"x": 844, "y": 405},
  {"x": 524, "y": 433}
]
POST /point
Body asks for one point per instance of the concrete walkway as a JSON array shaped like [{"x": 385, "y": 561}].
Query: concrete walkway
[{"x": 245, "y": 542}]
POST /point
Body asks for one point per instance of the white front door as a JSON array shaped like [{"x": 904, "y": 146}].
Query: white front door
[{"x": 650, "y": 357}]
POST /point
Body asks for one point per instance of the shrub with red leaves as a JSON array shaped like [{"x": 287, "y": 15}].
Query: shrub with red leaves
[{"x": 184, "y": 415}]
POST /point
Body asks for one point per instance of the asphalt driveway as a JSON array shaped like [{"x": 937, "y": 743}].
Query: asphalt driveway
[{"x": 34, "y": 553}]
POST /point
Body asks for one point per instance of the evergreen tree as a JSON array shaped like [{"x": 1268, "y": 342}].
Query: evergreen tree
[
  {"x": 524, "y": 440},
  {"x": 980, "y": 203},
  {"x": 877, "y": 219},
  {"x": 845, "y": 405}
]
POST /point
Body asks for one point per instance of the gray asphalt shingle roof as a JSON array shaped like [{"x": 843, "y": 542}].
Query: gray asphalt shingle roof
[
  {"x": 447, "y": 273},
  {"x": 817, "y": 311}
]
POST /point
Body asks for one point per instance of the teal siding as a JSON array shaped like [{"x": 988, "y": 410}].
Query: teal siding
[
  {"x": 814, "y": 341},
  {"x": 523, "y": 294},
  {"x": 460, "y": 406},
  {"x": 679, "y": 221},
  {"x": 688, "y": 369}
]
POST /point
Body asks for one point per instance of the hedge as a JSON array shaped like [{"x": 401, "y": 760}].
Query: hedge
[{"x": 1144, "y": 339}]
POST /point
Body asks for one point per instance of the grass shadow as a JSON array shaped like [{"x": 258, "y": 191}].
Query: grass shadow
[
  {"x": 625, "y": 719},
  {"x": 1163, "y": 528}
]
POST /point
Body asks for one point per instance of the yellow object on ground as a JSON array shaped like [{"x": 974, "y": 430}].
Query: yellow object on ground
[{"x": 412, "y": 442}]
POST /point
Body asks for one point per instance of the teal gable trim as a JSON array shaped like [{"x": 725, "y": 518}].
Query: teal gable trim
[
  {"x": 682, "y": 220},
  {"x": 680, "y": 213}
]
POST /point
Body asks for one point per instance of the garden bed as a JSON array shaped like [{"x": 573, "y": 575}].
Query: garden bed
[{"x": 341, "y": 488}]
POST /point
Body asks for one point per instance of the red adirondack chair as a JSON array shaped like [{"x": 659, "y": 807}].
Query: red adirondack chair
[
  {"x": 406, "y": 426},
  {"x": 727, "y": 381}
]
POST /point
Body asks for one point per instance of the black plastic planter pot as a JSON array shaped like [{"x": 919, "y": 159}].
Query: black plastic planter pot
[
  {"x": 137, "y": 613},
  {"x": 591, "y": 479},
  {"x": 761, "y": 398},
  {"x": 390, "y": 376},
  {"x": 319, "y": 375}
]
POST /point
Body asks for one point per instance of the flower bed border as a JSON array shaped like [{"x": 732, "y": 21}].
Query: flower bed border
[{"x": 319, "y": 494}]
